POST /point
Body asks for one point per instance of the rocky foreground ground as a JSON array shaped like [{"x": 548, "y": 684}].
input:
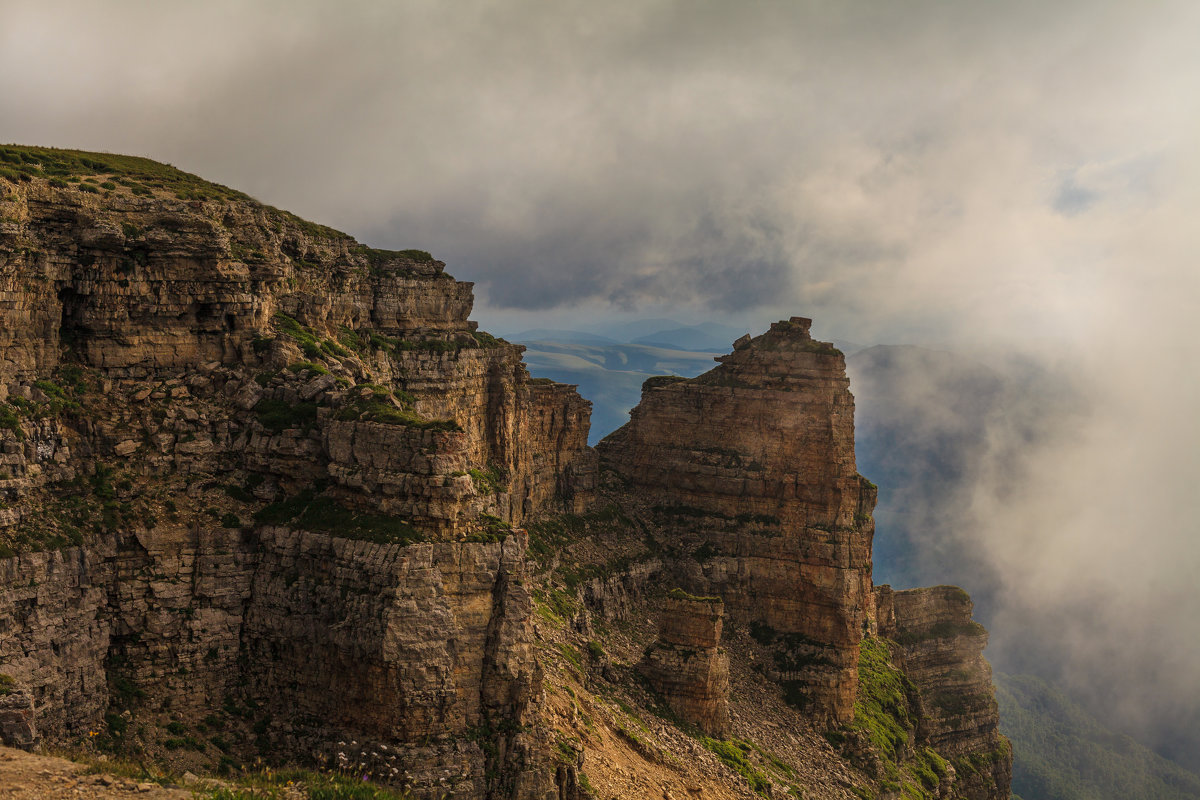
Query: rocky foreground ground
[{"x": 27, "y": 776}]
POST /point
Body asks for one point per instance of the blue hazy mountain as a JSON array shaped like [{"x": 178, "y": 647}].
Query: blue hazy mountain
[
  {"x": 708, "y": 337},
  {"x": 610, "y": 375},
  {"x": 634, "y": 329},
  {"x": 556, "y": 335}
]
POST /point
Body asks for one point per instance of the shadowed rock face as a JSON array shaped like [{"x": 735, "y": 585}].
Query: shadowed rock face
[{"x": 766, "y": 440}]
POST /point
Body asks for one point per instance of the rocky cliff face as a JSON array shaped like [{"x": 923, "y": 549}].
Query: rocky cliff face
[
  {"x": 267, "y": 493},
  {"x": 752, "y": 465},
  {"x": 149, "y": 288},
  {"x": 169, "y": 367},
  {"x": 940, "y": 649}
]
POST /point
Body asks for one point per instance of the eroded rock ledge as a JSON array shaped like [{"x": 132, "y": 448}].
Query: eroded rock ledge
[{"x": 686, "y": 663}]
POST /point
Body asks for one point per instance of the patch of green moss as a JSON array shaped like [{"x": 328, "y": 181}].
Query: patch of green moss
[
  {"x": 10, "y": 420},
  {"x": 487, "y": 481},
  {"x": 572, "y": 655},
  {"x": 377, "y": 406},
  {"x": 881, "y": 709},
  {"x": 733, "y": 753},
  {"x": 321, "y": 514},
  {"x": 277, "y": 415},
  {"x": 135, "y": 173},
  {"x": 492, "y": 529},
  {"x": 302, "y": 366},
  {"x": 304, "y": 336}
]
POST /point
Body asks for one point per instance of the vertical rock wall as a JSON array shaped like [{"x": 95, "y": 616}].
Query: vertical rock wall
[
  {"x": 941, "y": 652},
  {"x": 172, "y": 309},
  {"x": 755, "y": 461},
  {"x": 53, "y": 641},
  {"x": 418, "y": 653},
  {"x": 422, "y": 649}
]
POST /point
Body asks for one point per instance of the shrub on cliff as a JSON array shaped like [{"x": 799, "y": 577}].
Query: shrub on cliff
[
  {"x": 378, "y": 406},
  {"x": 277, "y": 416},
  {"x": 321, "y": 514},
  {"x": 10, "y": 420}
]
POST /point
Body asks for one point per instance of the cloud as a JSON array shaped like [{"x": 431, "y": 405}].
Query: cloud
[{"x": 854, "y": 160}]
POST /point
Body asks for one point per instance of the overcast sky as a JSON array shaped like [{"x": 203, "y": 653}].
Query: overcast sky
[
  {"x": 969, "y": 174},
  {"x": 928, "y": 170}
]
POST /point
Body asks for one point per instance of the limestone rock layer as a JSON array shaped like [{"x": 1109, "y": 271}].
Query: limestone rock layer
[
  {"x": 941, "y": 651},
  {"x": 687, "y": 665}
]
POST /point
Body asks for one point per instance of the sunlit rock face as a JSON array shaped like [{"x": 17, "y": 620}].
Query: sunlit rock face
[
  {"x": 254, "y": 471},
  {"x": 756, "y": 459},
  {"x": 154, "y": 349},
  {"x": 940, "y": 649}
]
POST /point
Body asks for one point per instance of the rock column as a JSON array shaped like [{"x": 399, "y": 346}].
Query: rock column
[{"x": 686, "y": 664}]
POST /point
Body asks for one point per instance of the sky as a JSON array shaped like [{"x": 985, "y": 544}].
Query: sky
[{"x": 1017, "y": 177}]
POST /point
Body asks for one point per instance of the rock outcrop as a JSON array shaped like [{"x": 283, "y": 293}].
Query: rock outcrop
[
  {"x": 147, "y": 288},
  {"x": 687, "y": 666},
  {"x": 172, "y": 367},
  {"x": 752, "y": 465},
  {"x": 940, "y": 649}
]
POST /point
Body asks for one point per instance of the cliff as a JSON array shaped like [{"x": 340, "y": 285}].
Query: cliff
[
  {"x": 249, "y": 464},
  {"x": 940, "y": 649},
  {"x": 267, "y": 494},
  {"x": 751, "y": 467}
]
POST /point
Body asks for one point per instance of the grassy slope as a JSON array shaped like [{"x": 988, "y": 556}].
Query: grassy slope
[
  {"x": 1063, "y": 753},
  {"x": 109, "y": 172}
]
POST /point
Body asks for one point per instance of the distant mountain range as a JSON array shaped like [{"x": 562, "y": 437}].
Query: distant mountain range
[{"x": 707, "y": 337}]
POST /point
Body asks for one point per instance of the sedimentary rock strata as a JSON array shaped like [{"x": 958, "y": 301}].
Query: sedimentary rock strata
[
  {"x": 940, "y": 648},
  {"x": 267, "y": 493},
  {"x": 158, "y": 352}
]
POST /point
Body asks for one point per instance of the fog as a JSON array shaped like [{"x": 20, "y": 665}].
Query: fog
[{"x": 997, "y": 179}]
